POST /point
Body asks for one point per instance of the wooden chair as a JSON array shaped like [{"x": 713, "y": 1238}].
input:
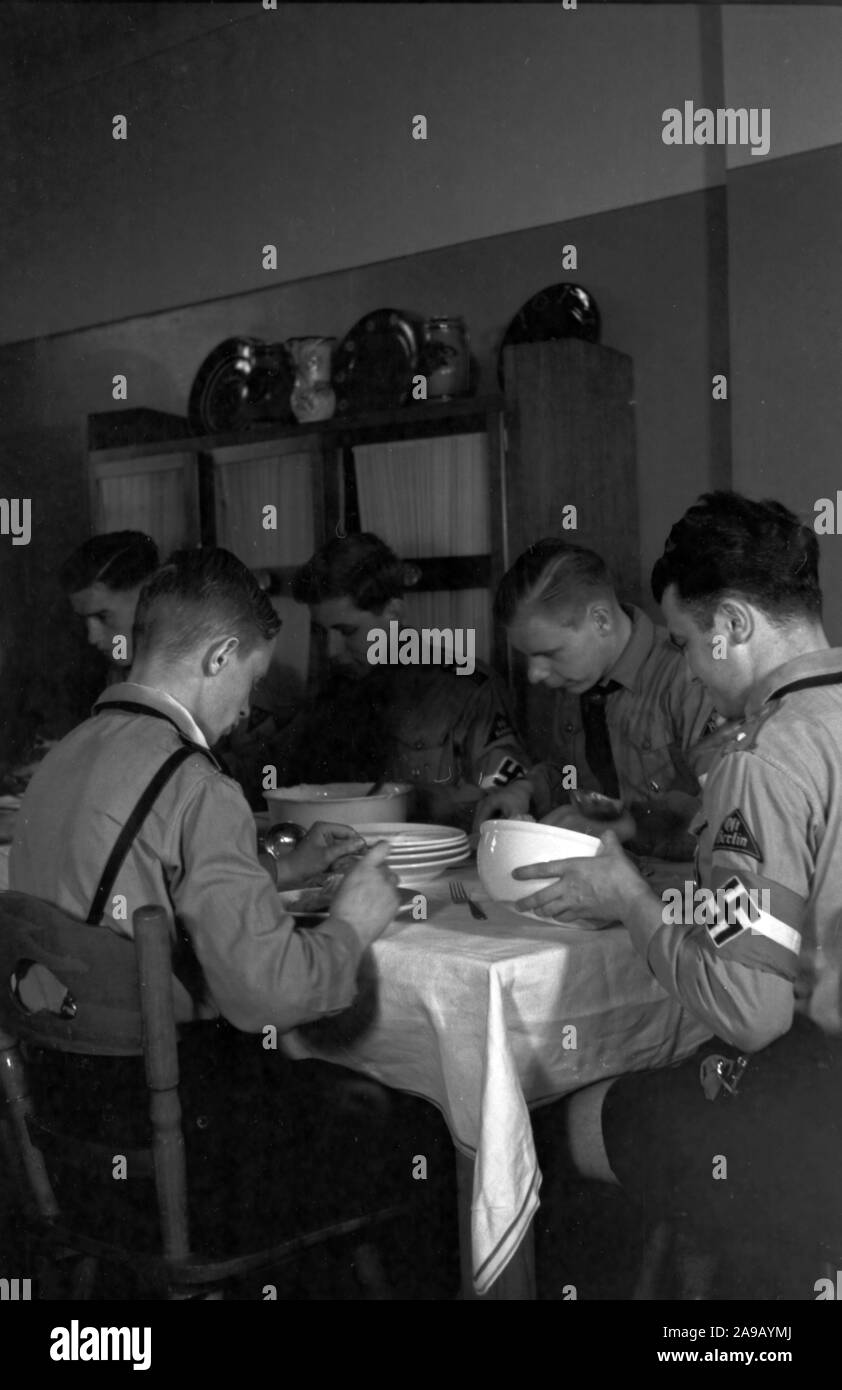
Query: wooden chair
[{"x": 118, "y": 1003}]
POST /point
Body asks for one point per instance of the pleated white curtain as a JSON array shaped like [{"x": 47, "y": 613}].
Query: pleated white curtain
[
  {"x": 244, "y": 486},
  {"x": 429, "y": 498},
  {"x": 156, "y": 496}
]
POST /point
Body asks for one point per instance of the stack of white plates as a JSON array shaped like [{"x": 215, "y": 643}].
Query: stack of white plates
[{"x": 419, "y": 853}]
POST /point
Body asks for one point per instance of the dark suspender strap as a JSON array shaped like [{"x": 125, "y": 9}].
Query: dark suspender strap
[
  {"x": 832, "y": 678},
  {"x": 130, "y": 829}
]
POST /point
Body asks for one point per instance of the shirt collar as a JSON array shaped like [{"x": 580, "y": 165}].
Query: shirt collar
[
  {"x": 827, "y": 661},
  {"x": 627, "y": 667},
  {"x": 159, "y": 700}
]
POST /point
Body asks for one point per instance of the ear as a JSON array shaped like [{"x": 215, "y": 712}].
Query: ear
[
  {"x": 600, "y": 615},
  {"x": 736, "y": 620},
  {"x": 219, "y": 655}
]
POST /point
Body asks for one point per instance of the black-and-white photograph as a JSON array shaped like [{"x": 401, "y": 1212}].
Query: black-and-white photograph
[{"x": 421, "y": 661}]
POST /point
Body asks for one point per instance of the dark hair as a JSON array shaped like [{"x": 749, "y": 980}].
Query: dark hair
[
  {"x": 198, "y": 596},
  {"x": 117, "y": 559},
  {"x": 552, "y": 574},
  {"x": 726, "y": 544},
  {"x": 360, "y": 566}
]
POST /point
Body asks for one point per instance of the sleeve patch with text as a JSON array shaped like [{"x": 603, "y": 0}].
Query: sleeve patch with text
[{"x": 734, "y": 834}]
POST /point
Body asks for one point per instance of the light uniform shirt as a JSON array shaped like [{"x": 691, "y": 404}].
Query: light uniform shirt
[
  {"x": 195, "y": 855},
  {"x": 771, "y": 823},
  {"x": 658, "y": 714}
]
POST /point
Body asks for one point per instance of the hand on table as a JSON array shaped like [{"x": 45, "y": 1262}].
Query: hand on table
[
  {"x": 594, "y": 890},
  {"x": 367, "y": 898},
  {"x": 321, "y": 849},
  {"x": 513, "y": 800}
]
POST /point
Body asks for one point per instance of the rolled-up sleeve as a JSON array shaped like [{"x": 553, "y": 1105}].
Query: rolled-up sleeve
[{"x": 258, "y": 968}]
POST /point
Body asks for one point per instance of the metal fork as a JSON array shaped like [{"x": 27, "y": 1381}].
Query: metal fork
[{"x": 458, "y": 894}]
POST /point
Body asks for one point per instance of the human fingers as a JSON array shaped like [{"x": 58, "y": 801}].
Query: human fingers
[
  {"x": 327, "y": 832},
  {"x": 549, "y": 901},
  {"x": 552, "y": 869},
  {"x": 378, "y": 854}
]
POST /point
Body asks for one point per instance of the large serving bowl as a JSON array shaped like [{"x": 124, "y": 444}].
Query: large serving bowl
[
  {"x": 343, "y": 803},
  {"x": 505, "y": 845}
]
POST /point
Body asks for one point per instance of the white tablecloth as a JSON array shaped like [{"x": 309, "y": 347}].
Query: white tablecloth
[{"x": 488, "y": 1018}]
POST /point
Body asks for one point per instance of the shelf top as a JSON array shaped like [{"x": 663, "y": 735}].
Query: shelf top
[{"x": 379, "y": 424}]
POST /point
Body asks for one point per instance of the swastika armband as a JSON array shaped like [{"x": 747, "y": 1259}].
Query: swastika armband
[
  {"x": 737, "y": 909},
  {"x": 507, "y": 771}
]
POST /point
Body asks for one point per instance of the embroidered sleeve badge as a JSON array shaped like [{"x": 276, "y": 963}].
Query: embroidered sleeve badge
[{"x": 734, "y": 834}]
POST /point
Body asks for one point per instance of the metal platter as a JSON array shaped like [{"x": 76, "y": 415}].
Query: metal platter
[
  {"x": 374, "y": 364},
  {"x": 559, "y": 311},
  {"x": 243, "y": 381}
]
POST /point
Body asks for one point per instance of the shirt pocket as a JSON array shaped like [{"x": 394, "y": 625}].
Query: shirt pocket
[{"x": 659, "y": 766}]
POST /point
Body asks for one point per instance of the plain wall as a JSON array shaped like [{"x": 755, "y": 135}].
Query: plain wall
[
  {"x": 294, "y": 128},
  {"x": 785, "y": 233},
  {"x": 785, "y": 58}
]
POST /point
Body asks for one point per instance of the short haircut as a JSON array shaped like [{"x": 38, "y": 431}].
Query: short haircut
[
  {"x": 117, "y": 559},
  {"x": 361, "y": 567},
  {"x": 553, "y": 574},
  {"x": 198, "y": 597},
  {"x": 728, "y": 546}
]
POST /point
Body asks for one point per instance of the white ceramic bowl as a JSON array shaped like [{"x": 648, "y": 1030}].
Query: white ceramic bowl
[
  {"x": 343, "y": 803},
  {"x": 505, "y": 845}
]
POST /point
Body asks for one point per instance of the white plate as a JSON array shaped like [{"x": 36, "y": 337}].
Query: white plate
[
  {"x": 423, "y": 859},
  {"x": 418, "y": 878},
  {"x": 407, "y": 836},
  {"x": 431, "y": 848},
  {"x": 291, "y": 902},
  {"x": 415, "y": 874},
  {"x": 412, "y": 856}
]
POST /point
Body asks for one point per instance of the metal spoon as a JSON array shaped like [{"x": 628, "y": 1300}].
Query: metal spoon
[{"x": 282, "y": 838}]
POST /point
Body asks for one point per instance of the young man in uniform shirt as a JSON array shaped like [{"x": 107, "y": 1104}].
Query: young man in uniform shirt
[
  {"x": 451, "y": 736},
  {"x": 560, "y": 610},
  {"x": 204, "y": 633},
  {"x": 103, "y": 579},
  {"x": 761, "y": 961}
]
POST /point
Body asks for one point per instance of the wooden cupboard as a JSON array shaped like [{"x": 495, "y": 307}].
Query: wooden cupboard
[{"x": 459, "y": 488}]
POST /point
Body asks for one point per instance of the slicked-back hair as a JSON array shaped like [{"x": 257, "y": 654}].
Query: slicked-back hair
[
  {"x": 360, "y": 567},
  {"x": 728, "y": 546},
  {"x": 556, "y": 576},
  {"x": 199, "y": 597},
  {"x": 116, "y": 559}
]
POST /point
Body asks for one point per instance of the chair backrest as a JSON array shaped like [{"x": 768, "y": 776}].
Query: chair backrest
[
  {"x": 118, "y": 1001},
  {"x": 97, "y": 968}
]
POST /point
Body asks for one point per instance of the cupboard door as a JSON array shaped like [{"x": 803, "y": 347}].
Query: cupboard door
[
  {"x": 430, "y": 498},
  {"x": 157, "y": 495},
  {"x": 267, "y": 500},
  {"x": 264, "y": 498}
]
